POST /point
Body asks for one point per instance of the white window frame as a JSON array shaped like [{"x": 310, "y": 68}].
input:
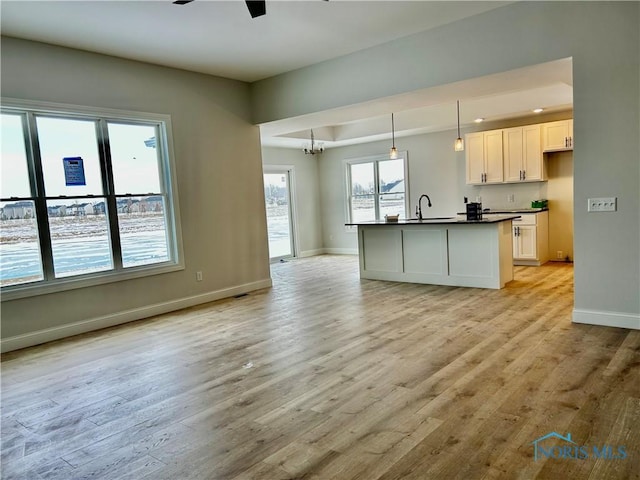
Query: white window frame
[
  {"x": 290, "y": 172},
  {"x": 375, "y": 159},
  {"x": 172, "y": 209}
]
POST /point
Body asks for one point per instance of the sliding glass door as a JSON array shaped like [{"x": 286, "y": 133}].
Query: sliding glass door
[{"x": 277, "y": 196}]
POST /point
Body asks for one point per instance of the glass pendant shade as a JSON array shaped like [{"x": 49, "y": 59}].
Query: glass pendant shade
[
  {"x": 393, "y": 153},
  {"x": 458, "y": 146}
]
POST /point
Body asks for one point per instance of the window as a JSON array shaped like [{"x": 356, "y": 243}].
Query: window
[
  {"x": 376, "y": 186},
  {"x": 85, "y": 196}
]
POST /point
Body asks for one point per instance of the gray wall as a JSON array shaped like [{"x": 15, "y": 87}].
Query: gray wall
[
  {"x": 603, "y": 40},
  {"x": 307, "y": 195},
  {"x": 219, "y": 175},
  {"x": 437, "y": 170}
]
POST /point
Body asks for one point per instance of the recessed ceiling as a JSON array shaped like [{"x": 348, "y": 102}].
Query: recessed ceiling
[
  {"x": 501, "y": 96},
  {"x": 220, "y": 38}
]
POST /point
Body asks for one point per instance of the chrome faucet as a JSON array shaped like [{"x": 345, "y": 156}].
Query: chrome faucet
[{"x": 419, "y": 206}]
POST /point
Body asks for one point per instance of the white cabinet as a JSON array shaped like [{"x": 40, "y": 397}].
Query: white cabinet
[
  {"x": 523, "y": 158},
  {"x": 557, "y": 136},
  {"x": 524, "y": 242},
  {"x": 531, "y": 239},
  {"x": 484, "y": 157}
]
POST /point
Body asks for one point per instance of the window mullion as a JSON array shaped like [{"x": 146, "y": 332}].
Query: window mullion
[
  {"x": 108, "y": 187},
  {"x": 376, "y": 189},
  {"x": 36, "y": 179},
  {"x": 349, "y": 194}
]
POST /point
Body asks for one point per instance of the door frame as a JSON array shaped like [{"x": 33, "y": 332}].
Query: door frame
[{"x": 289, "y": 171}]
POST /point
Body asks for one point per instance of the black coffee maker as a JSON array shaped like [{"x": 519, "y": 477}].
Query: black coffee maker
[{"x": 474, "y": 210}]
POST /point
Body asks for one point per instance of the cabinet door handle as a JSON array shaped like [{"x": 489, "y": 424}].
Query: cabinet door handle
[{"x": 524, "y": 174}]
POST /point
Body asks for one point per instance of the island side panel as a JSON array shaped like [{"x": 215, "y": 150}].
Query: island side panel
[
  {"x": 425, "y": 254},
  {"x": 380, "y": 251},
  {"x": 506, "y": 252},
  {"x": 474, "y": 256}
]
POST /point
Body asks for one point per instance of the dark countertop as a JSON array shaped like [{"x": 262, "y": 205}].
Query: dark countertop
[
  {"x": 459, "y": 220},
  {"x": 514, "y": 210}
]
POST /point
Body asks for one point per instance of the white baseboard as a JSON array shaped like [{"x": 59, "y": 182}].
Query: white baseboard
[
  {"x": 607, "y": 319},
  {"x": 42, "y": 336},
  {"x": 341, "y": 251},
  {"x": 311, "y": 253}
]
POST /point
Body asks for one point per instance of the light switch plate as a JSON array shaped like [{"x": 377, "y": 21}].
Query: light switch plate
[{"x": 603, "y": 204}]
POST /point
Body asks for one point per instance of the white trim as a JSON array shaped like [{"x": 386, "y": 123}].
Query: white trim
[
  {"x": 341, "y": 251},
  {"x": 26, "y": 290},
  {"x": 312, "y": 253},
  {"x": 375, "y": 159},
  {"x": 170, "y": 184},
  {"x": 70, "y": 108},
  {"x": 42, "y": 336},
  {"x": 607, "y": 319},
  {"x": 289, "y": 170}
]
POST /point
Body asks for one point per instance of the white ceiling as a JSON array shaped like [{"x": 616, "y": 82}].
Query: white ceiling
[{"x": 220, "y": 38}]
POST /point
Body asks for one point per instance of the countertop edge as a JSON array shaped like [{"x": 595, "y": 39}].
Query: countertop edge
[{"x": 487, "y": 219}]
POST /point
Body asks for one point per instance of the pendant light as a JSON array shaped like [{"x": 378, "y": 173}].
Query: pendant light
[
  {"x": 393, "y": 153},
  {"x": 459, "y": 145},
  {"x": 312, "y": 150}
]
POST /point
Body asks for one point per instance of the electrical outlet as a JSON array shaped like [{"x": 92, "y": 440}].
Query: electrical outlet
[
  {"x": 198, "y": 276},
  {"x": 511, "y": 198},
  {"x": 603, "y": 204},
  {"x": 559, "y": 254}
]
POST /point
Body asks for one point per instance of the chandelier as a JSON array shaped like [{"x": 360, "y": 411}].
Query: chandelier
[{"x": 314, "y": 148}]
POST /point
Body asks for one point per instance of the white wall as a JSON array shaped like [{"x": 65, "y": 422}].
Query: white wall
[
  {"x": 603, "y": 40},
  {"x": 307, "y": 195},
  {"x": 219, "y": 176}
]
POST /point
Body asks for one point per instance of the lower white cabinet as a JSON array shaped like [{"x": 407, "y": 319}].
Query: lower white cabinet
[{"x": 531, "y": 239}]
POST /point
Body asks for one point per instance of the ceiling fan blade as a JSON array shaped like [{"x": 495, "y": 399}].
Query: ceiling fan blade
[
  {"x": 257, "y": 8},
  {"x": 182, "y": 2}
]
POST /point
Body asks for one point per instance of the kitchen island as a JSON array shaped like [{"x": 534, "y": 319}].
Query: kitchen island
[{"x": 442, "y": 251}]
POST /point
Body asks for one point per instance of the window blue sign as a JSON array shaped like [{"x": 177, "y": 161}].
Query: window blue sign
[{"x": 73, "y": 171}]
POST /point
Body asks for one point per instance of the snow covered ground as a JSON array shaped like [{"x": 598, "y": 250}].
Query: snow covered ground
[{"x": 80, "y": 245}]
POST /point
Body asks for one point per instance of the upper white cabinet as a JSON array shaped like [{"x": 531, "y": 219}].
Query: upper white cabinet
[
  {"x": 484, "y": 157},
  {"x": 557, "y": 136},
  {"x": 523, "y": 158}
]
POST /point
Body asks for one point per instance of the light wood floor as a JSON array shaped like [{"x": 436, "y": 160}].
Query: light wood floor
[{"x": 326, "y": 376}]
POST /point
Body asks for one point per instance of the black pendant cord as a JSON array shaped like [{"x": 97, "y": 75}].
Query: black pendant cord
[{"x": 393, "y": 133}]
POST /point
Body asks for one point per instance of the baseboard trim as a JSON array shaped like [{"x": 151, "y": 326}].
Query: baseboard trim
[
  {"x": 312, "y": 253},
  {"x": 42, "y": 336},
  {"x": 607, "y": 319},
  {"x": 341, "y": 251}
]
